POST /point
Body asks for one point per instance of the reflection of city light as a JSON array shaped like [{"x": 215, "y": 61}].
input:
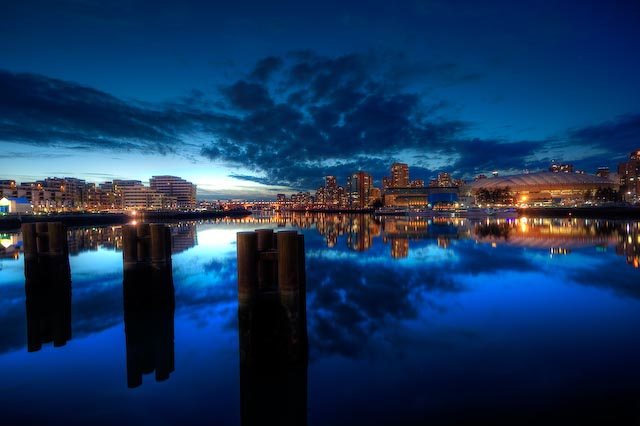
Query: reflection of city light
[{"x": 134, "y": 222}]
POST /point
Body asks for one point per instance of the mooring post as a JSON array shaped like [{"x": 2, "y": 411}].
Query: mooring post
[
  {"x": 266, "y": 269},
  {"x": 158, "y": 243},
  {"x": 29, "y": 243},
  {"x": 57, "y": 238},
  {"x": 288, "y": 276},
  {"x": 247, "y": 254},
  {"x": 143, "y": 237},
  {"x": 129, "y": 246},
  {"x": 42, "y": 238}
]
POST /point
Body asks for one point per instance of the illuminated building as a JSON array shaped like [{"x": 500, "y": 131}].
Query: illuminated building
[
  {"x": 629, "y": 173},
  {"x": 141, "y": 197},
  {"x": 399, "y": 175},
  {"x": 603, "y": 172},
  {"x": 544, "y": 187},
  {"x": 359, "y": 189},
  {"x": 561, "y": 168},
  {"x": 174, "y": 187},
  {"x": 15, "y": 205},
  {"x": 399, "y": 247},
  {"x": 417, "y": 183}
]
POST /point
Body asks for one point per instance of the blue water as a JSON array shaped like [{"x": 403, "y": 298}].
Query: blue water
[{"x": 408, "y": 322}]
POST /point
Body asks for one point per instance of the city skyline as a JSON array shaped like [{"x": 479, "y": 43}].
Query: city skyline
[{"x": 249, "y": 100}]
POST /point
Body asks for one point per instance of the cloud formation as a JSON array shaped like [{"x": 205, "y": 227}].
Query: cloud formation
[{"x": 292, "y": 119}]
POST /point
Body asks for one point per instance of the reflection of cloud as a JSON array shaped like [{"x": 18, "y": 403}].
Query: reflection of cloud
[
  {"x": 623, "y": 283},
  {"x": 350, "y": 301}
]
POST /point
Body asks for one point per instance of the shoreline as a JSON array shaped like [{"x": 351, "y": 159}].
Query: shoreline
[
  {"x": 12, "y": 222},
  {"x": 602, "y": 212}
]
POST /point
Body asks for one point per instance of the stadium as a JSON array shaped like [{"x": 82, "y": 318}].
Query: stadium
[{"x": 542, "y": 188}]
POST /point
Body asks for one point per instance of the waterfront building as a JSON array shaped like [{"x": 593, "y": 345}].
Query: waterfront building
[
  {"x": 359, "y": 189},
  {"x": 629, "y": 175},
  {"x": 543, "y": 188},
  {"x": 15, "y": 205},
  {"x": 175, "y": 187},
  {"x": 561, "y": 168},
  {"x": 141, "y": 197},
  {"x": 399, "y": 175},
  {"x": 603, "y": 172}
]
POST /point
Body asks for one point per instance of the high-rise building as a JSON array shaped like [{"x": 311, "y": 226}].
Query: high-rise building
[
  {"x": 603, "y": 172},
  {"x": 399, "y": 175},
  {"x": 444, "y": 179},
  {"x": 629, "y": 174},
  {"x": 173, "y": 186},
  {"x": 359, "y": 189},
  {"x": 561, "y": 168}
]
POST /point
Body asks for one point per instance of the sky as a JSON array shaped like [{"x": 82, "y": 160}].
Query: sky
[{"x": 251, "y": 98}]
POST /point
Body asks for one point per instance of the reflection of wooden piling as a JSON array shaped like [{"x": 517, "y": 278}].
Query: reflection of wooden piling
[
  {"x": 149, "y": 301},
  {"x": 149, "y": 304},
  {"x": 47, "y": 284},
  {"x": 273, "y": 359},
  {"x": 272, "y": 328},
  {"x": 145, "y": 243}
]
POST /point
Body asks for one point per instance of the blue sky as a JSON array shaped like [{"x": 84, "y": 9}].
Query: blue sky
[{"x": 249, "y": 99}]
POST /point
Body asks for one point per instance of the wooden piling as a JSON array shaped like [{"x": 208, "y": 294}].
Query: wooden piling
[
  {"x": 158, "y": 243},
  {"x": 42, "y": 238},
  {"x": 247, "y": 254},
  {"x": 143, "y": 238},
  {"x": 129, "y": 245},
  {"x": 266, "y": 269},
  {"x": 57, "y": 239},
  {"x": 288, "y": 276},
  {"x": 30, "y": 246}
]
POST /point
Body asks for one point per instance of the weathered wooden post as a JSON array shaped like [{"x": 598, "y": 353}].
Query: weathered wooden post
[
  {"x": 288, "y": 262},
  {"x": 267, "y": 274},
  {"x": 143, "y": 239},
  {"x": 29, "y": 244},
  {"x": 144, "y": 243},
  {"x": 129, "y": 246},
  {"x": 272, "y": 329},
  {"x": 247, "y": 251}
]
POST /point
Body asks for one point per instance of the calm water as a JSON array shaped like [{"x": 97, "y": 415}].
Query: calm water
[{"x": 408, "y": 322}]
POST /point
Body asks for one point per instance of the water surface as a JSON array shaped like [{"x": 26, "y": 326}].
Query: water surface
[{"x": 409, "y": 321}]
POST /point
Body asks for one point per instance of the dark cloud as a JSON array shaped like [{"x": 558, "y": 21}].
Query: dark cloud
[
  {"x": 39, "y": 110},
  {"x": 321, "y": 115},
  {"x": 482, "y": 155},
  {"x": 266, "y": 67},
  {"x": 290, "y": 121},
  {"x": 618, "y": 137},
  {"x": 248, "y": 96}
]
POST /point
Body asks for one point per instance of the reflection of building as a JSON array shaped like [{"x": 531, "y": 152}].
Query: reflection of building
[
  {"x": 272, "y": 331},
  {"x": 360, "y": 232},
  {"x": 149, "y": 303},
  {"x": 183, "y": 237},
  {"x": 629, "y": 245},
  {"x": 399, "y": 247}
]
